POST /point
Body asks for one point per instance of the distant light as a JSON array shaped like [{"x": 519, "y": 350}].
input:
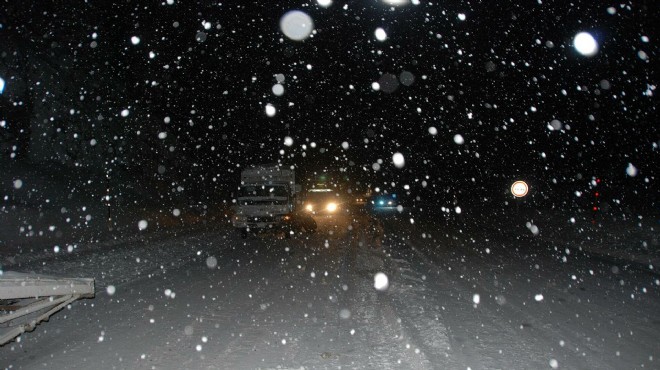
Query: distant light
[
  {"x": 398, "y": 160},
  {"x": 135, "y": 40},
  {"x": 296, "y": 25},
  {"x": 270, "y": 110},
  {"x": 2, "y": 85},
  {"x": 585, "y": 44},
  {"x": 324, "y": 3},
  {"x": 381, "y": 35},
  {"x": 519, "y": 189}
]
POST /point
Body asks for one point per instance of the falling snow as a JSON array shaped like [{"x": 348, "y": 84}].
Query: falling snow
[
  {"x": 380, "y": 34},
  {"x": 278, "y": 156},
  {"x": 585, "y": 44},
  {"x": 296, "y": 25}
]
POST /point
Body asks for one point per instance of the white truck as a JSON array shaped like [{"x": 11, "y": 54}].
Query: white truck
[{"x": 266, "y": 199}]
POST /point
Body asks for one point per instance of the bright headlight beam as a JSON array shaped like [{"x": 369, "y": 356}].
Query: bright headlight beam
[{"x": 331, "y": 207}]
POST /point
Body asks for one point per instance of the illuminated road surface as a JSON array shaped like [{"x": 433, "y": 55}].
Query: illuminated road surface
[{"x": 454, "y": 299}]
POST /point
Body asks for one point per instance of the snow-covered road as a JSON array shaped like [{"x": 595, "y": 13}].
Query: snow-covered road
[{"x": 456, "y": 298}]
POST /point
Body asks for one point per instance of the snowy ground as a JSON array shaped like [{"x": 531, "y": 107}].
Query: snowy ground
[{"x": 458, "y": 297}]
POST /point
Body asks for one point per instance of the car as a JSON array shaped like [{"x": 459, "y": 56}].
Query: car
[
  {"x": 360, "y": 199},
  {"x": 384, "y": 202},
  {"x": 322, "y": 201}
]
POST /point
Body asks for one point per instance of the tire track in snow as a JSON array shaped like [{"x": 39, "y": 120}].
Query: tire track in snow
[
  {"x": 417, "y": 344},
  {"x": 540, "y": 343}
]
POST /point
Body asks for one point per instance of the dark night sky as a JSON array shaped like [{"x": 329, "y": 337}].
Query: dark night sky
[{"x": 498, "y": 78}]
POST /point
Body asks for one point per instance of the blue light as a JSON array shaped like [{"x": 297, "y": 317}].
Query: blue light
[
  {"x": 381, "y": 202},
  {"x": 2, "y": 85}
]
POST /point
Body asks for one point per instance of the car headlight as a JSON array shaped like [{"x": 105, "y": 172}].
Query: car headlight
[
  {"x": 331, "y": 207},
  {"x": 309, "y": 208}
]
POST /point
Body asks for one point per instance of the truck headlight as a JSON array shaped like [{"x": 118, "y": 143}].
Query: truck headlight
[
  {"x": 309, "y": 208},
  {"x": 331, "y": 207}
]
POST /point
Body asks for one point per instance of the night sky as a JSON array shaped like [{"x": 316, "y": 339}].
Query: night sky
[{"x": 499, "y": 74}]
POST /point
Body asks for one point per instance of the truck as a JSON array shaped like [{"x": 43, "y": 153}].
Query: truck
[{"x": 266, "y": 199}]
